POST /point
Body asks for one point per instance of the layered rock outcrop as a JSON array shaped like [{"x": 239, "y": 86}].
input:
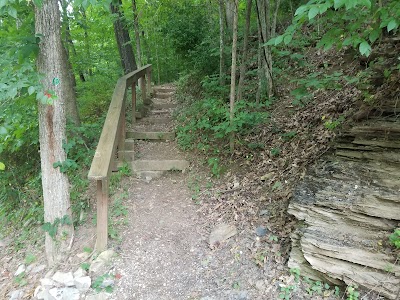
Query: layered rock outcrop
[{"x": 346, "y": 207}]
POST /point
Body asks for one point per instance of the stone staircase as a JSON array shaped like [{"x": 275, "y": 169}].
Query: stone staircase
[{"x": 150, "y": 148}]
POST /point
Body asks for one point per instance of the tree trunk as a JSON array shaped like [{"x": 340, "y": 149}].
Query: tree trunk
[
  {"x": 71, "y": 104},
  {"x": 233, "y": 73},
  {"x": 243, "y": 65},
  {"x": 221, "y": 43},
  {"x": 260, "y": 66},
  {"x": 263, "y": 16},
  {"x": 123, "y": 40},
  {"x": 229, "y": 13},
  {"x": 137, "y": 33},
  {"x": 52, "y": 63},
  {"x": 87, "y": 42}
]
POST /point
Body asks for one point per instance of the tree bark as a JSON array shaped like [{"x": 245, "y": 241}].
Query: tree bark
[
  {"x": 260, "y": 67},
  {"x": 71, "y": 104},
  {"x": 243, "y": 65},
  {"x": 229, "y": 13},
  {"x": 52, "y": 63},
  {"x": 123, "y": 40},
  {"x": 233, "y": 74},
  {"x": 263, "y": 16},
  {"x": 221, "y": 43},
  {"x": 137, "y": 33}
]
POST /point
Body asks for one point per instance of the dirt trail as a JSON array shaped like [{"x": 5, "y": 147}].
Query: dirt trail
[{"x": 165, "y": 252}]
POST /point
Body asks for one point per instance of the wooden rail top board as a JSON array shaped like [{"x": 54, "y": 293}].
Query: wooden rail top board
[{"x": 104, "y": 155}]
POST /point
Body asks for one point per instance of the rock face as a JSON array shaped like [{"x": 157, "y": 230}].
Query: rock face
[{"x": 346, "y": 207}]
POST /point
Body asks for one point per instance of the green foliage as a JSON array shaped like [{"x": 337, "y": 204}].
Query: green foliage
[
  {"x": 214, "y": 164},
  {"x": 394, "y": 238},
  {"x": 355, "y": 23},
  {"x": 30, "y": 258},
  {"x": 287, "y": 136},
  {"x": 85, "y": 266},
  {"x": 286, "y": 292},
  {"x": 332, "y": 124},
  {"x": 296, "y": 273},
  {"x": 21, "y": 280},
  {"x": 52, "y": 228},
  {"x": 352, "y": 293},
  {"x": 315, "y": 81},
  {"x": 275, "y": 151},
  {"x": 98, "y": 284},
  {"x": 117, "y": 216},
  {"x": 206, "y": 122}
]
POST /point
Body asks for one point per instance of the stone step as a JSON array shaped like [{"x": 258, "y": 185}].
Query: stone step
[
  {"x": 159, "y": 165},
  {"x": 160, "y": 111},
  {"x": 162, "y": 106},
  {"x": 163, "y": 95},
  {"x": 161, "y": 89},
  {"x": 153, "y": 120},
  {"x": 155, "y": 135}
]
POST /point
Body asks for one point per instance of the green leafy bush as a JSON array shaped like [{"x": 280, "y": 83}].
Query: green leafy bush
[
  {"x": 394, "y": 238},
  {"x": 206, "y": 122}
]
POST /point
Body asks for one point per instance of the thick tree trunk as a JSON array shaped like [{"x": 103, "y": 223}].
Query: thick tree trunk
[
  {"x": 229, "y": 13},
  {"x": 123, "y": 40},
  {"x": 221, "y": 43},
  {"x": 137, "y": 33},
  {"x": 243, "y": 65},
  {"x": 52, "y": 63},
  {"x": 233, "y": 73}
]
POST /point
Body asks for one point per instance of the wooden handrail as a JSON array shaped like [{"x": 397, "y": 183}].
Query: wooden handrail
[{"x": 112, "y": 138}]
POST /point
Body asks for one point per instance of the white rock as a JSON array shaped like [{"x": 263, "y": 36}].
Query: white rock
[
  {"x": 47, "y": 282},
  {"x": 66, "y": 279},
  {"x": 83, "y": 283},
  {"x": 16, "y": 295},
  {"x": 67, "y": 293},
  {"x": 38, "y": 269},
  {"x": 79, "y": 273},
  {"x": 102, "y": 260},
  {"x": 29, "y": 268},
  {"x": 20, "y": 270},
  {"x": 99, "y": 296}
]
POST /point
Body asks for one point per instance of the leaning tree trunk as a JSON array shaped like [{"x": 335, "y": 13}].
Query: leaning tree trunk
[
  {"x": 71, "y": 104},
  {"x": 233, "y": 73},
  {"x": 243, "y": 65},
  {"x": 263, "y": 18},
  {"x": 123, "y": 40},
  {"x": 52, "y": 63}
]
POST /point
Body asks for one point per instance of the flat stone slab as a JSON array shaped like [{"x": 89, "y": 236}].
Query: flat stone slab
[
  {"x": 156, "y": 135},
  {"x": 152, "y": 120},
  {"x": 163, "y": 94},
  {"x": 159, "y": 165},
  {"x": 163, "y": 89},
  {"x": 161, "y": 106}
]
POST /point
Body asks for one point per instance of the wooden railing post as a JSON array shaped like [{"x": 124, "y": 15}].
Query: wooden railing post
[
  {"x": 134, "y": 102},
  {"x": 122, "y": 132},
  {"x": 144, "y": 93},
  {"x": 148, "y": 77},
  {"x": 102, "y": 214}
]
